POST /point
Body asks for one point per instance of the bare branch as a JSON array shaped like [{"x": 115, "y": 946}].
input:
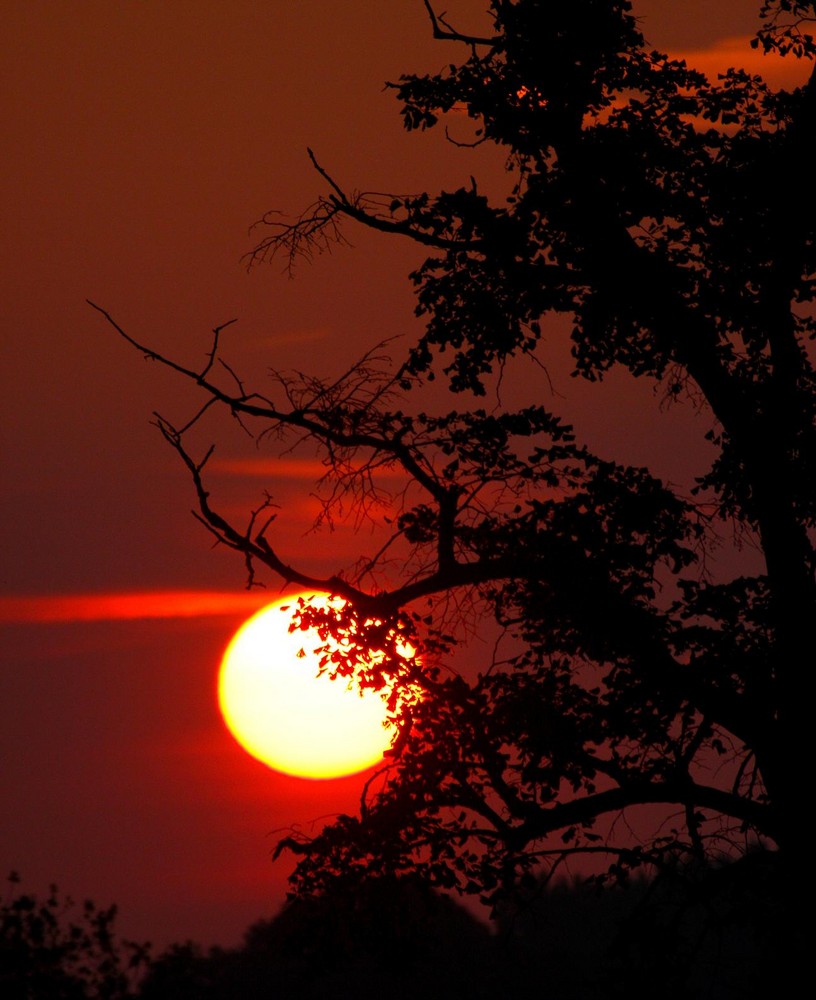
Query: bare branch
[
  {"x": 464, "y": 145},
  {"x": 214, "y": 348},
  {"x": 444, "y": 32},
  {"x": 323, "y": 427}
]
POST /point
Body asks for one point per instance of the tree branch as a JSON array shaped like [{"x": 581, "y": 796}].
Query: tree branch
[
  {"x": 444, "y": 32},
  {"x": 686, "y": 792}
]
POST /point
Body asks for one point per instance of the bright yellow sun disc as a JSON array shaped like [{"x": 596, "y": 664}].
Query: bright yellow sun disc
[{"x": 284, "y": 714}]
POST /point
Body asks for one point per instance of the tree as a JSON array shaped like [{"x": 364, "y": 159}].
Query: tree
[
  {"x": 47, "y": 952},
  {"x": 345, "y": 944},
  {"x": 668, "y": 217}
]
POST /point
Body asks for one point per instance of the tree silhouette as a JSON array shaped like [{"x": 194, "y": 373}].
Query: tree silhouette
[
  {"x": 49, "y": 952},
  {"x": 667, "y": 216},
  {"x": 562, "y": 940},
  {"x": 344, "y": 944}
]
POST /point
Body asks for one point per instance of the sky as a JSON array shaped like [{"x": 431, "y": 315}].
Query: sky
[{"x": 143, "y": 140}]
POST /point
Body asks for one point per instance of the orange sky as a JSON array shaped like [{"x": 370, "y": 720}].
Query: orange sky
[{"x": 142, "y": 140}]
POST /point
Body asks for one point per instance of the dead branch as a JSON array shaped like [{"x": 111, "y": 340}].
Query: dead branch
[{"x": 443, "y": 31}]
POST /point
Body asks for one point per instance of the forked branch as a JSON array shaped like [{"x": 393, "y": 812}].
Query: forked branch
[{"x": 443, "y": 31}]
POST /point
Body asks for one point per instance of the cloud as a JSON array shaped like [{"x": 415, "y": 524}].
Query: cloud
[
  {"x": 311, "y": 469},
  {"x": 736, "y": 51},
  {"x": 271, "y": 468},
  {"x": 121, "y": 607},
  {"x": 296, "y": 337}
]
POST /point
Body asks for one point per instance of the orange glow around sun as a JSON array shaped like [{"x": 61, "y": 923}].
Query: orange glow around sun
[{"x": 284, "y": 714}]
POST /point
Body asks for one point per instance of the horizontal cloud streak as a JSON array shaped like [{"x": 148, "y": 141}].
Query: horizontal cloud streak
[
  {"x": 311, "y": 469},
  {"x": 271, "y": 468},
  {"x": 735, "y": 51},
  {"x": 122, "y": 607}
]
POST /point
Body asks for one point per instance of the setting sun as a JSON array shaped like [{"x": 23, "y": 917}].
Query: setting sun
[{"x": 284, "y": 714}]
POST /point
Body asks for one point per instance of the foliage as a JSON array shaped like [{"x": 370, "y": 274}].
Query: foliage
[
  {"x": 583, "y": 943},
  {"x": 48, "y": 953},
  {"x": 648, "y": 711},
  {"x": 343, "y": 944}
]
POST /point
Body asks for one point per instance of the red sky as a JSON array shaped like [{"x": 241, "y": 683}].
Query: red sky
[{"x": 142, "y": 140}]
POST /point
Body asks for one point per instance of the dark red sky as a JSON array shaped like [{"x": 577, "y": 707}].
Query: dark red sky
[{"x": 142, "y": 139}]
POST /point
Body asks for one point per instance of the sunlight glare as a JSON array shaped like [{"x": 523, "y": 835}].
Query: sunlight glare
[{"x": 284, "y": 714}]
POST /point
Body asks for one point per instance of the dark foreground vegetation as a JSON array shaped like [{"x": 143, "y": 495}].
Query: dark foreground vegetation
[{"x": 401, "y": 939}]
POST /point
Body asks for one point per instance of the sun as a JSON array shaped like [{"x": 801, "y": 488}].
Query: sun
[{"x": 284, "y": 714}]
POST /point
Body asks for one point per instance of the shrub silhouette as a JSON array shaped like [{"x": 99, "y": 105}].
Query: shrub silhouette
[{"x": 49, "y": 951}]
